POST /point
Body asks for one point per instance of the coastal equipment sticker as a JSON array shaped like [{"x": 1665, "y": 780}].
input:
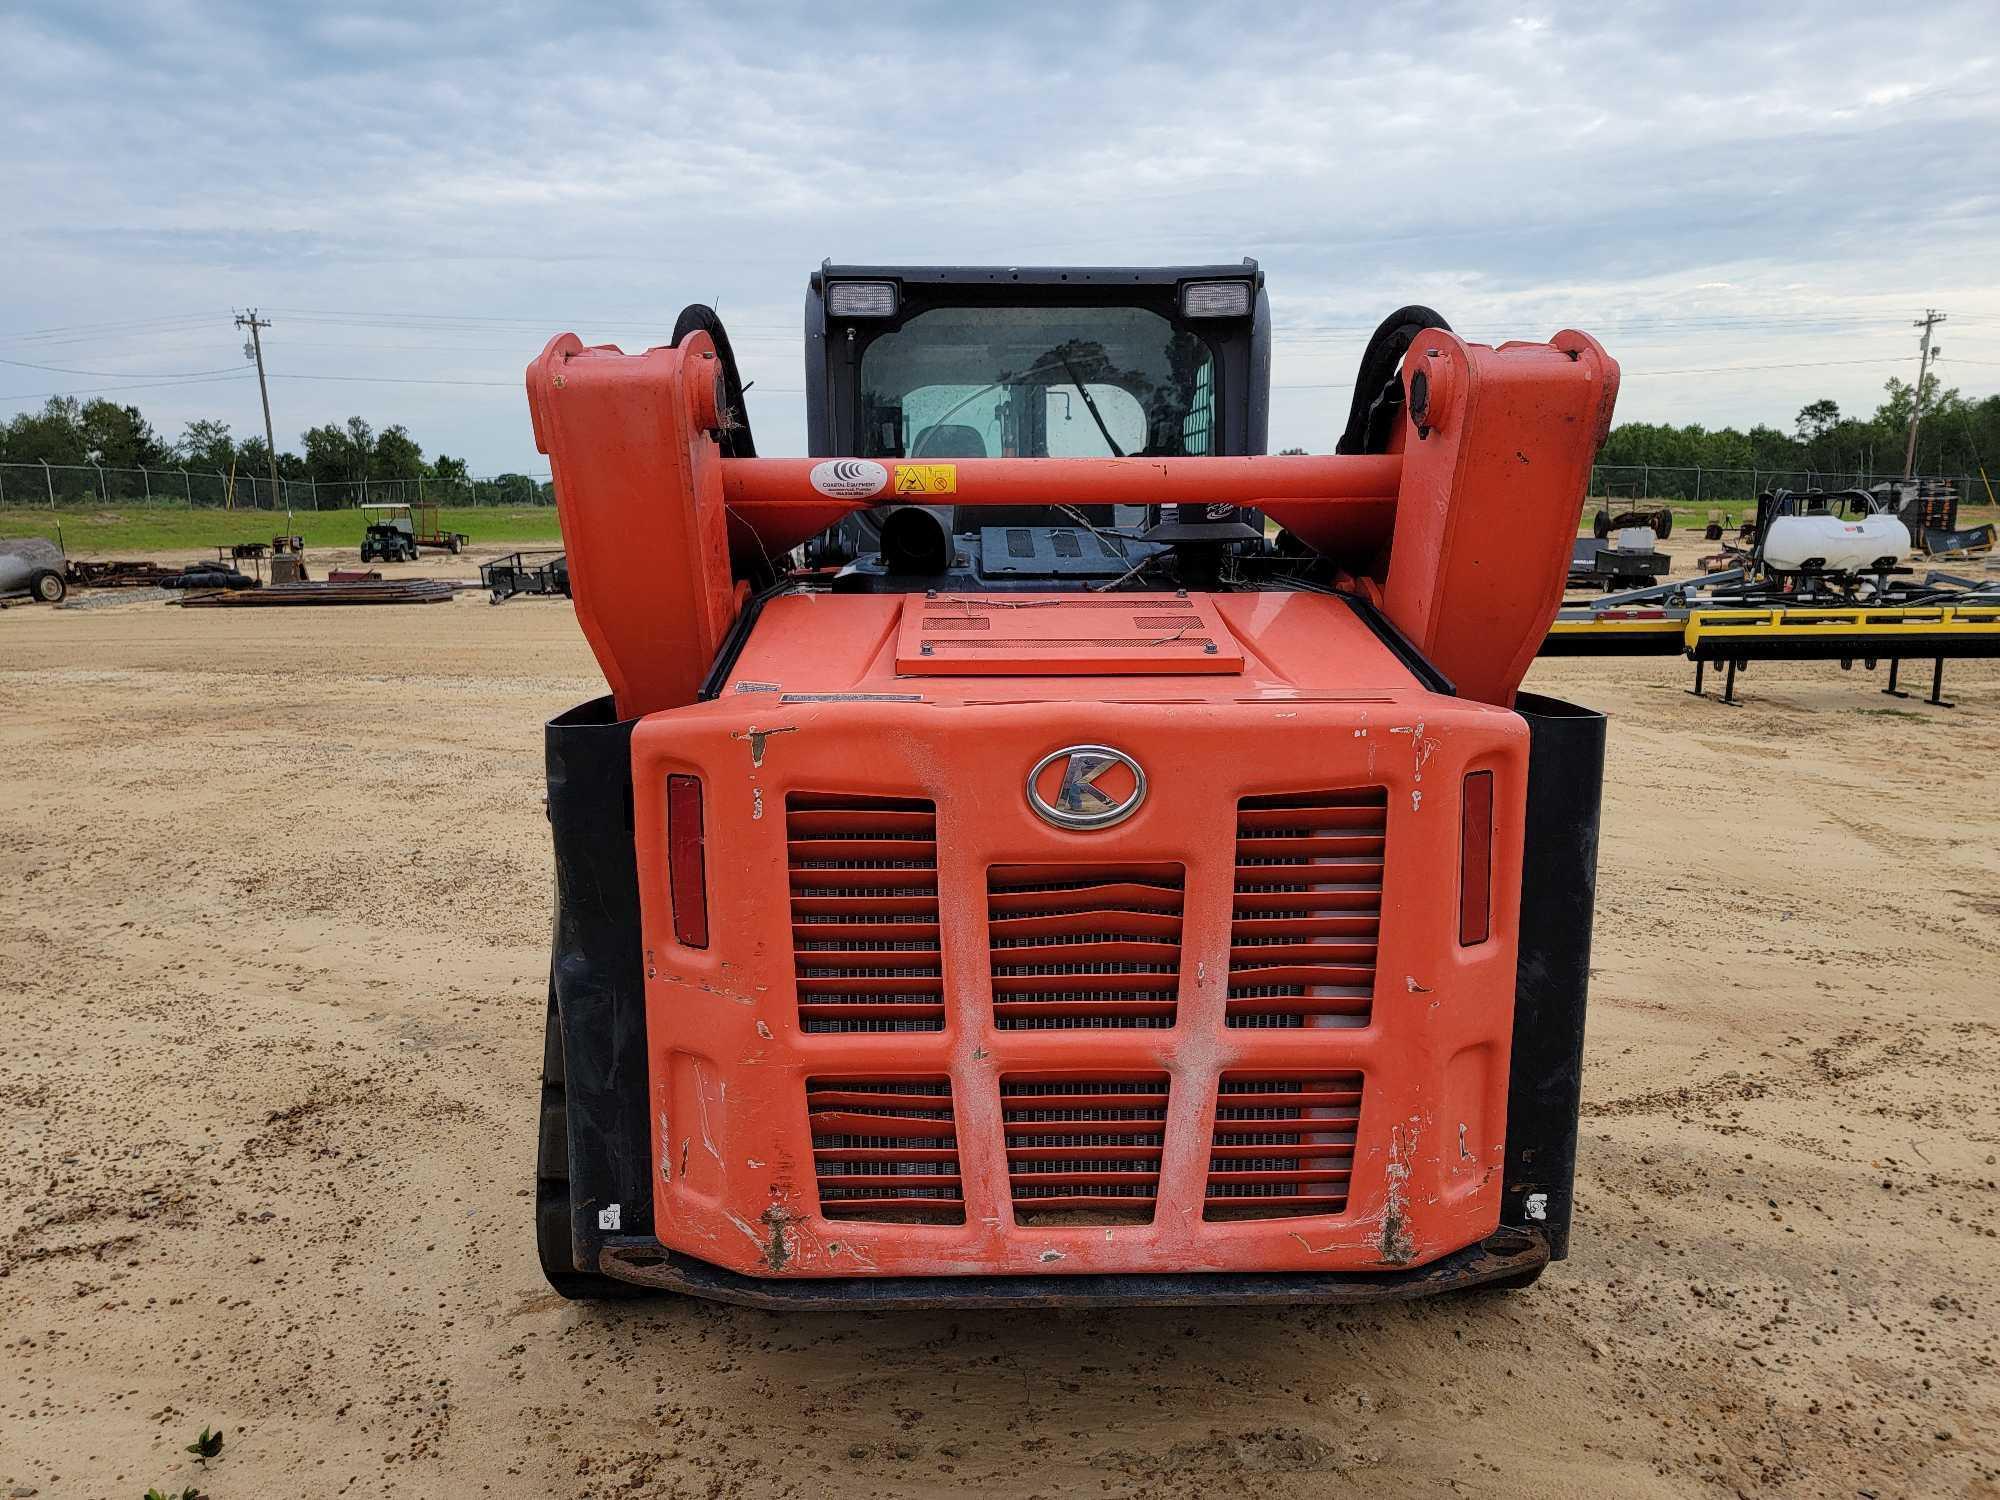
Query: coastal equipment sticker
[{"x": 849, "y": 478}]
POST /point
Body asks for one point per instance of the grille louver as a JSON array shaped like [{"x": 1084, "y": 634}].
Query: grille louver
[
  {"x": 1284, "y": 1146},
  {"x": 1308, "y": 908},
  {"x": 885, "y": 1150},
  {"x": 1084, "y": 1150},
  {"x": 1084, "y": 946},
  {"x": 865, "y": 912}
]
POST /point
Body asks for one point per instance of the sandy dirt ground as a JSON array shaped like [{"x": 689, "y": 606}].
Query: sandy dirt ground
[{"x": 274, "y": 900}]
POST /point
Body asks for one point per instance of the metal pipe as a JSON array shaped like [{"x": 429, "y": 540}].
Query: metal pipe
[{"x": 784, "y": 483}]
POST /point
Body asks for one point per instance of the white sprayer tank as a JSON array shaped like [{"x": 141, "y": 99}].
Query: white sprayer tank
[{"x": 1843, "y": 546}]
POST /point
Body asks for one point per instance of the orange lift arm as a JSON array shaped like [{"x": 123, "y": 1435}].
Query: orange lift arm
[{"x": 1462, "y": 536}]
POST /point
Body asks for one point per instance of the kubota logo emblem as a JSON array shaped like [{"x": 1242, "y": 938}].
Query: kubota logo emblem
[{"x": 1095, "y": 787}]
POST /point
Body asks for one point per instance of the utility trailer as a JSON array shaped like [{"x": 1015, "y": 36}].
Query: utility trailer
[
  {"x": 1003, "y": 873},
  {"x": 518, "y": 573},
  {"x": 1629, "y": 559}
]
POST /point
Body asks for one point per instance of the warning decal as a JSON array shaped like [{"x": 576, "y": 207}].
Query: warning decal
[
  {"x": 927, "y": 479},
  {"x": 849, "y": 478}
]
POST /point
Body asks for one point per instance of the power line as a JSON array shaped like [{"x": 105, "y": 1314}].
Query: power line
[
  {"x": 39, "y": 333},
  {"x": 1812, "y": 364},
  {"x": 1817, "y": 364},
  {"x": 23, "y": 364},
  {"x": 400, "y": 380},
  {"x": 146, "y": 385}
]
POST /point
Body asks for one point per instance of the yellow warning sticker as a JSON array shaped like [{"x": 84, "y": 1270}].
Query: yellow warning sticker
[{"x": 927, "y": 479}]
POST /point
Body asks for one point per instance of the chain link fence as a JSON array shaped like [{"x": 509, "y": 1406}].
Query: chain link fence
[
  {"x": 1672, "y": 485},
  {"x": 47, "y": 485}
]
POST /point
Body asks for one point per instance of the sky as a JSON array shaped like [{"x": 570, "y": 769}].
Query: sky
[{"x": 1749, "y": 204}]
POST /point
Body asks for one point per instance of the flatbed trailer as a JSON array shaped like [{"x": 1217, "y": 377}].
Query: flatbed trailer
[{"x": 1731, "y": 636}]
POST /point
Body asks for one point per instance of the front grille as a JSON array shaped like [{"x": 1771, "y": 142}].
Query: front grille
[
  {"x": 1084, "y": 946},
  {"x": 1084, "y": 1150},
  {"x": 1308, "y": 908},
  {"x": 1284, "y": 1146},
  {"x": 885, "y": 1150},
  {"x": 865, "y": 912}
]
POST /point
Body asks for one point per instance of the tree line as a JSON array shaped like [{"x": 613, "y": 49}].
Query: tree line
[
  {"x": 69, "y": 432},
  {"x": 1957, "y": 437}
]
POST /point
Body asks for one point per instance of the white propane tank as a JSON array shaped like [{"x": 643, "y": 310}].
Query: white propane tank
[{"x": 1843, "y": 546}]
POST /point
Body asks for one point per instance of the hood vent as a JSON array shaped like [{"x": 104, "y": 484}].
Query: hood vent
[{"x": 1045, "y": 635}]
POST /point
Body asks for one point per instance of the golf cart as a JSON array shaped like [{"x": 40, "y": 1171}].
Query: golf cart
[{"x": 394, "y": 532}]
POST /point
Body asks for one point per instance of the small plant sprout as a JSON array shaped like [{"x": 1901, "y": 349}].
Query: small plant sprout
[{"x": 206, "y": 1446}]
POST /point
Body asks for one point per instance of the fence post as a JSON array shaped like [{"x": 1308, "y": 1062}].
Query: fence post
[
  {"x": 187, "y": 488},
  {"x": 103, "y": 495},
  {"x": 1645, "y": 481},
  {"x": 146, "y": 478},
  {"x": 49, "y": 478}
]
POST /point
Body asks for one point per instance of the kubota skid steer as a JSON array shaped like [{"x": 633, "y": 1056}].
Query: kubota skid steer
[{"x": 1040, "y": 850}]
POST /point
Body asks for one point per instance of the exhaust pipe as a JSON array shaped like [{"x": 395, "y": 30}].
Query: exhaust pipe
[{"x": 916, "y": 539}]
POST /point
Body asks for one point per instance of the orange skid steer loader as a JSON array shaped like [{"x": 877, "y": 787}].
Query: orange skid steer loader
[{"x": 1039, "y": 849}]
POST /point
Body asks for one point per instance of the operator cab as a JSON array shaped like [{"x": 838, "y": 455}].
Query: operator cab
[{"x": 929, "y": 365}]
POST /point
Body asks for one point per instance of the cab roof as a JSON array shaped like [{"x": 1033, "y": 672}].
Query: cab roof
[{"x": 1054, "y": 276}]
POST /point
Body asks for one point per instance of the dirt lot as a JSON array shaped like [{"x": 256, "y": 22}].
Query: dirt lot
[{"x": 273, "y": 913}]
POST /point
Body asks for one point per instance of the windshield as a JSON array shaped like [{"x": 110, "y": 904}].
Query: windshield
[{"x": 1037, "y": 382}]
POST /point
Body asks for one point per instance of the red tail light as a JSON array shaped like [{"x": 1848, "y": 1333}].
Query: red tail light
[
  {"x": 687, "y": 863},
  {"x": 1475, "y": 856}
]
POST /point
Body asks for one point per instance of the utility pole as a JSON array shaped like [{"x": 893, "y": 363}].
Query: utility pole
[
  {"x": 1931, "y": 318},
  {"x": 251, "y": 321}
]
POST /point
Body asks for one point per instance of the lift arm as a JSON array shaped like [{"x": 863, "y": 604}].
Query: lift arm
[{"x": 1461, "y": 534}]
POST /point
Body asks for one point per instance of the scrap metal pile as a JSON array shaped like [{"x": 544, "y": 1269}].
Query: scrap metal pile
[{"x": 370, "y": 591}]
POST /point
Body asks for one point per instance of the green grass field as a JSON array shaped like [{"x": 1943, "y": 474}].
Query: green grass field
[{"x": 107, "y": 530}]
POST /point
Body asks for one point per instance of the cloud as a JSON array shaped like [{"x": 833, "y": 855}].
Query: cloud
[{"x": 1698, "y": 185}]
